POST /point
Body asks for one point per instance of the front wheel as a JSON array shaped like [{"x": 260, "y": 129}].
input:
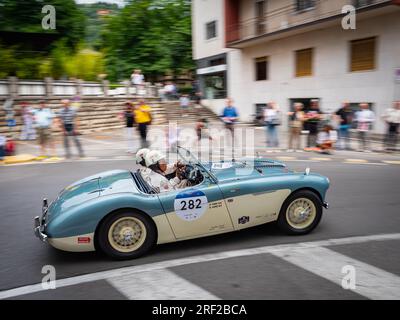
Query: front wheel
[
  {"x": 126, "y": 235},
  {"x": 300, "y": 213}
]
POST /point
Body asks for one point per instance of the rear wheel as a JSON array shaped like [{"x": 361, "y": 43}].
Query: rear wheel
[
  {"x": 126, "y": 235},
  {"x": 300, "y": 213}
]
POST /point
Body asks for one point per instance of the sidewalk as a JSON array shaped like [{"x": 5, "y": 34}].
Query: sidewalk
[{"x": 112, "y": 144}]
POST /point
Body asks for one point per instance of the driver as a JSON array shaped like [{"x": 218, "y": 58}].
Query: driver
[{"x": 156, "y": 176}]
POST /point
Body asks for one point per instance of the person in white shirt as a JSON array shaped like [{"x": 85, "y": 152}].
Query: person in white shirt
[
  {"x": 137, "y": 79},
  {"x": 326, "y": 139},
  {"x": 392, "y": 119},
  {"x": 159, "y": 169},
  {"x": 28, "y": 131},
  {"x": 272, "y": 120},
  {"x": 2, "y": 147},
  {"x": 43, "y": 120},
  {"x": 365, "y": 118}
]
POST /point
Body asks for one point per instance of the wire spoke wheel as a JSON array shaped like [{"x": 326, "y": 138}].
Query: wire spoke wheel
[
  {"x": 301, "y": 213},
  {"x": 127, "y": 234}
]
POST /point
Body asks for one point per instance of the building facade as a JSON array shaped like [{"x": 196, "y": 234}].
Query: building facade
[{"x": 257, "y": 51}]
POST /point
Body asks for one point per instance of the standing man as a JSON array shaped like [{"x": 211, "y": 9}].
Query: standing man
[
  {"x": 392, "y": 118},
  {"x": 143, "y": 119},
  {"x": 312, "y": 118},
  {"x": 69, "y": 127},
  {"x": 43, "y": 118},
  {"x": 365, "y": 117},
  {"x": 230, "y": 116},
  {"x": 345, "y": 118}
]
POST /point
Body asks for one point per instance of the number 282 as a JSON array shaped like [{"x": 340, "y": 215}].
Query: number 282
[{"x": 191, "y": 204}]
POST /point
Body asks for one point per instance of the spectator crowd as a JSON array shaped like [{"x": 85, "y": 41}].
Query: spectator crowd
[{"x": 326, "y": 132}]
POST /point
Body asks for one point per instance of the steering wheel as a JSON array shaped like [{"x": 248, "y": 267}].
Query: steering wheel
[{"x": 192, "y": 174}]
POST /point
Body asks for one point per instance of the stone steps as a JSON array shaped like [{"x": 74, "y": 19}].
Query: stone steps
[{"x": 103, "y": 114}]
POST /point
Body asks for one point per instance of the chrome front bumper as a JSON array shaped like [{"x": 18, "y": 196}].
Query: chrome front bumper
[{"x": 39, "y": 223}]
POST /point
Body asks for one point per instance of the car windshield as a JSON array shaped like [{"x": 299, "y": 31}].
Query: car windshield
[{"x": 188, "y": 158}]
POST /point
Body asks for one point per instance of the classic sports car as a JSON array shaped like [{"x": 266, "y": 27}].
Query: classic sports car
[{"x": 117, "y": 212}]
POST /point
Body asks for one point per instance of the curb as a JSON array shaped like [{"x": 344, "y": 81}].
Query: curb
[{"x": 22, "y": 158}]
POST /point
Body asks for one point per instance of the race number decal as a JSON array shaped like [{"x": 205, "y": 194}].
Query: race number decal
[
  {"x": 221, "y": 165},
  {"x": 190, "y": 205}
]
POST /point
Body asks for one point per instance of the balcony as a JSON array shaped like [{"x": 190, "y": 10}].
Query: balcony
[{"x": 294, "y": 18}]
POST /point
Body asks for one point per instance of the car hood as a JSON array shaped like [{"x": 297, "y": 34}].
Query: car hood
[
  {"x": 90, "y": 188},
  {"x": 246, "y": 169}
]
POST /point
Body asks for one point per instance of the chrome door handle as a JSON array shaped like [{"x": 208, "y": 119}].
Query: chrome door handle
[{"x": 235, "y": 190}]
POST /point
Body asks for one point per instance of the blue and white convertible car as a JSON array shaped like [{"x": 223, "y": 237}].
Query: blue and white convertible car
[{"x": 118, "y": 213}]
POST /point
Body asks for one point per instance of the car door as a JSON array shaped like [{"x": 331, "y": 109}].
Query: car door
[
  {"x": 252, "y": 202},
  {"x": 197, "y": 210}
]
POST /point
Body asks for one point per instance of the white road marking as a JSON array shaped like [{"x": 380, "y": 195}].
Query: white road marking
[
  {"x": 126, "y": 271},
  {"x": 356, "y": 161},
  {"x": 391, "y": 161},
  {"x": 370, "y": 281},
  {"x": 321, "y": 159},
  {"x": 285, "y": 158},
  {"x": 367, "y": 163},
  {"x": 159, "y": 285}
]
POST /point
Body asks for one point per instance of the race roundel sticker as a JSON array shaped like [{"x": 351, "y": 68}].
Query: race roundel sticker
[{"x": 190, "y": 205}]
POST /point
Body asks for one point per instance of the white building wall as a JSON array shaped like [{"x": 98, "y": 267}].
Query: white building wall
[
  {"x": 204, "y": 11},
  {"x": 332, "y": 82}
]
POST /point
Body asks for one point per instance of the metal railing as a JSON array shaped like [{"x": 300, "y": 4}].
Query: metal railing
[{"x": 13, "y": 87}]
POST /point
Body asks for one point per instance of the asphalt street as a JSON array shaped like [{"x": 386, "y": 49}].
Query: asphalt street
[{"x": 363, "y": 201}]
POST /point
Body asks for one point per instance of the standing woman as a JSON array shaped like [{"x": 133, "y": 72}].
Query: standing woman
[
  {"x": 296, "y": 119},
  {"x": 129, "y": 118},
  {"x": 272, "y": 120},
  {"x": 28, "y": 130}
]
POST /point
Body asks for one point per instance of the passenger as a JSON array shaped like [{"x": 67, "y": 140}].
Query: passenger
[
  {"x": 141, "y": 157},
  {"x": 155, "y": 161}
]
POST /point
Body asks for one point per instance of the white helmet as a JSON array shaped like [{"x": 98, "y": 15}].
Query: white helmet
[
  {"x": 153, "y": 157},
  {"x": 141, "y": 155}
]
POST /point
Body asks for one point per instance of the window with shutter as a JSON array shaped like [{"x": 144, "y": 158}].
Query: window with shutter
[
  {"x": 304, "y": 62},
  {"x": 362, "y": 55}
]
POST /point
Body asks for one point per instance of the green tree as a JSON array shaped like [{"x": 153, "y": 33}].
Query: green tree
[
  {"x": 151, "y": 35},
  {"x": 7, "y": 61},
  {"x": 26, "y": 16}
]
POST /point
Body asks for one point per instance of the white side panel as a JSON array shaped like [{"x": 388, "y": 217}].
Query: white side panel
[
  {"x": 260, "y": 207},
  {"x": 72, "y": 244},
  {"x": 215, "y": 220},
  {"x": 164, "y": 230}
]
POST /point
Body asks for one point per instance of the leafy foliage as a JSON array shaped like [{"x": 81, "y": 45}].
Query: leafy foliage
[
  {"x": 151, "y": 35},
  {"x": 26, "y": 16}
]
